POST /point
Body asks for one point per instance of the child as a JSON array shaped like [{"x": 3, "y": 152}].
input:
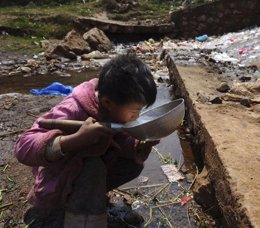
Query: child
[{"x": 73, "y": 172}]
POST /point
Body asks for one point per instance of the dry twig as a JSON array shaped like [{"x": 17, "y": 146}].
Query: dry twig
[
  {"x": 150, "y": 217},
  {"x": 158, "y": 192},
  {"x": 197, "y": 173}
]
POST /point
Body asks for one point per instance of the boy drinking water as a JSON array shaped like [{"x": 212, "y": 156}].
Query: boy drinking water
[{"x": 73, "y": 172}]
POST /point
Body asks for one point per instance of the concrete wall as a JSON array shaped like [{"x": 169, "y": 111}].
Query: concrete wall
[{"x": 216, "y": 18}]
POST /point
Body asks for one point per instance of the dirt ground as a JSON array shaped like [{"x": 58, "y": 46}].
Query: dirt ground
[
  {"x": 228, "y": 133},
  {"x": 17, "y": 114}
]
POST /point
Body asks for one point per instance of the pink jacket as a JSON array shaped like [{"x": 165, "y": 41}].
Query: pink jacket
[{"x": 53, "y": 180}]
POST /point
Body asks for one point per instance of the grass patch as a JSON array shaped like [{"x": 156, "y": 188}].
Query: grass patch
[
  {"x": 46, "y": 21},
  {"x": 22, "y": 45},
  {"x": 56, "y": 20},
  {"x": 152, "y": 10}
]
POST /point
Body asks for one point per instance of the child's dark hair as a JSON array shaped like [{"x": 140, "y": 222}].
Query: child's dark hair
[{"x": 125, "y": 79}]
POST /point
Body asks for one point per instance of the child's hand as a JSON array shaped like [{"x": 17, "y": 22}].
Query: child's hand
[
  {"x": 91, "y": 134},
  {"x": 143, "y": 150}
]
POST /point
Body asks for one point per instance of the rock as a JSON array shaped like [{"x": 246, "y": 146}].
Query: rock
[
  {"x": 94, "y": 55},
  {"x": 223, "y": 87},
  {"x": 42, "y": 70},
  {"x": 249, "y": 89},
  {"x": 72, "y": 45},
  {"x": 215, "y": 100},
  {"x": 44, "y": 44},
  {"x": 8, "y": 62},
  {"x": 202, "y": 98},
  {"x": 245, "y": 78},
  {"x": 32, "y": 62},
  {"x": 26, "y": 69},
  {"x": 97, "y": 40},
  {"x": 246, "y": 102},
  {"x": 15, "y": 73},
  {"x": 231, "y": 97}
]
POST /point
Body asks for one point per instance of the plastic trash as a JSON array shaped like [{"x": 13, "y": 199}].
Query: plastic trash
[
  {"x": 202, "y": 38},
  {"x": 185, "y": 200},
  {"x": 244, "y": 50},
  {"x": 55, "y": 88},
  {"x": 172, "y": 173}
]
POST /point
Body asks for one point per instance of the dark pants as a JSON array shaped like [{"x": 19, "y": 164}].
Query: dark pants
[
  {"x": 88, "y": 195},
  {"x": 97, "y": 178}
]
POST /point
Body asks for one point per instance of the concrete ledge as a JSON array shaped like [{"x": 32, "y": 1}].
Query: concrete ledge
[{"x": 229, "y": 137}]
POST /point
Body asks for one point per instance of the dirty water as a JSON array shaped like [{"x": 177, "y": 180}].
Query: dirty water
[{"x": 22, "y": 84}]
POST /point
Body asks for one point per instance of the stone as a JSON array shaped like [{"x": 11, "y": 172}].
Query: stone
[
  {"x": 94, "y": 55},
  {"x": 245, "y": 78},
  {"x": 32, "y": 62},
  {"x": 8, "y": 62},
  {"x": 202, "y": 98},
  {"x": 246, "y": 102},
  {"x": 72, "y": 45},
  {"x": 215, "y": 100},
  {"x": 97, "y": 40},
  {"x": 223, "y": 87},
  {"x": 44, "y": 43},
  {"x": 25, "y": 69}
]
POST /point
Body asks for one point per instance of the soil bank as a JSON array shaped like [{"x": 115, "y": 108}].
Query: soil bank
[{"x": 228, "y": 134}]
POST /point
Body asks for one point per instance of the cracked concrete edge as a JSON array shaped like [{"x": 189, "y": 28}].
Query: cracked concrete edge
[{"x": 228, "y": 200}]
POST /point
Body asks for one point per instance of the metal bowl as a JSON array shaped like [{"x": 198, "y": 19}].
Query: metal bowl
[{"x": 158, "y": 122}]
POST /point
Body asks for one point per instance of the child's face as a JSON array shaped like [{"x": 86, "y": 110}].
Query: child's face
[{"x": 122, "y": 113}]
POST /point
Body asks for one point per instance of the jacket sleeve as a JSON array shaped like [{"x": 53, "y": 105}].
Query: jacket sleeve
[{"x": 30, "y": 147}]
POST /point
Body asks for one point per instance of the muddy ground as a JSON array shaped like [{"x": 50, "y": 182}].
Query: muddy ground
[{"x": 18, "y": 111}]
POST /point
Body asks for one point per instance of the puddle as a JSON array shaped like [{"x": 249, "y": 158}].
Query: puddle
[
  {"x": 169, "y": 147},
  {"x": 21, "y": 84}
]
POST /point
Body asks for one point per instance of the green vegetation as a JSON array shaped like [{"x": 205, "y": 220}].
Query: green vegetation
[
  {"x": 151, "y": 10},
  {"x": 23, "y": 45},
  {"x": 44, "y": 21},
  {"x": 55, "y": 20}
]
